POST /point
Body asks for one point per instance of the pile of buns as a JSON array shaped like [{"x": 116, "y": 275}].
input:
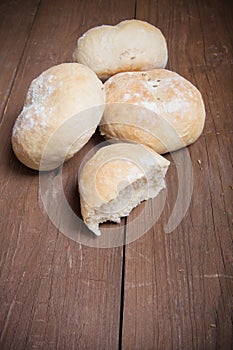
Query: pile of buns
[{"x": 144, "y": 109}]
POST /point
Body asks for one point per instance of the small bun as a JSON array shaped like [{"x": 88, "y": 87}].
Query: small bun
[
  {"x": 63, "y": 106},
  {"x": 131, "y": 45},
  {"x": 158, "y": 108},
  {"x": 116, "y": 179}
]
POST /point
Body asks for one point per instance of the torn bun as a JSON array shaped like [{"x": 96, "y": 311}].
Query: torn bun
[{"x": 116, "y": 179}]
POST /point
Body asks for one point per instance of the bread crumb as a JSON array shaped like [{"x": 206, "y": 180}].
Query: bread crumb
[
  {"x": 212, "y": 325},
  {"x": 199, "y": 161}
]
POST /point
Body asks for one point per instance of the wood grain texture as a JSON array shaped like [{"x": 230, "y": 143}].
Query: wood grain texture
[
  {"x": 55, "y": 293},
  {"x": 176, "y": 289},
  {"x": 16, "y": 19},
  {"x": 178, "y": 286}
]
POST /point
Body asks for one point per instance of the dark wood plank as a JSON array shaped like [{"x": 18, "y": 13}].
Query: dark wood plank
[
  {"x": 200, "y": 55},
  {"x": 55, "y": 293},
  {"x": 178, "y": 286},
  {"x": 16, "y": 19}
]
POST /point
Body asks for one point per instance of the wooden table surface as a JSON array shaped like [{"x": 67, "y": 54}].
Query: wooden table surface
[{"x": 163, "y": 291}]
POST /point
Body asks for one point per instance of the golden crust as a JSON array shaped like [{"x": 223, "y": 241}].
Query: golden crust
[
  {"x": 62, "y": 109},
  {"x": 116, "y": 179},
  {"x": 110, "y": 170},
  {"x": 158, "y": 108},
  {"x": 131, "y": 45}
]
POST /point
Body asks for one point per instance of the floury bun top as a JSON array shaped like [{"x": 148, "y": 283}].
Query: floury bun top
[
  {"x": 131, "y": 45},
  {"x": 62, "y": 109},
  {"x": 157, "y": 108}
]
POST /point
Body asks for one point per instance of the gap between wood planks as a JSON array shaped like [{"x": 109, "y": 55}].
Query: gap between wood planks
[
  {"x": 123, "y": 258},
  {"x": 122, "y": 287}
]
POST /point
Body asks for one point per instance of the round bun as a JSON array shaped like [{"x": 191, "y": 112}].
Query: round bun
[
  {"x": 131, "y": 45},
  {"x": 62, "y": 109},
  {"x": 116, "y": 179},
  {"x": 158, "y": 108}
]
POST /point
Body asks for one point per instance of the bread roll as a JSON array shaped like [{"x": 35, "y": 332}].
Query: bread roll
[
  {"x": 158, "y": 108},
  {"x": 131, "y": 45},
  {"x": 116, "y": 179},
  {"x": 62, "y": 109}
]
